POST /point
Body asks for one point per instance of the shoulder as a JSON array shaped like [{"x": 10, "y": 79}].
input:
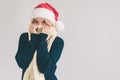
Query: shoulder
[{"x": 24, "y": 35}]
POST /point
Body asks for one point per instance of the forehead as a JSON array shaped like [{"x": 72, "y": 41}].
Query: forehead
[{"x": 39, "y": 18}]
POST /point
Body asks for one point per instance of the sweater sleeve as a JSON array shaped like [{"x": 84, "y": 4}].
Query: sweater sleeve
[
  {"x": 46, "y": 61},
  {"x": 25, "y": 50}
]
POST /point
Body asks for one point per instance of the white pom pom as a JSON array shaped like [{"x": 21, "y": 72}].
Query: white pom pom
[{"x": 60, "y": 26}]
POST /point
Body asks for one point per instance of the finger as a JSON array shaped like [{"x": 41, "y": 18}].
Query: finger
[
  {"x": 47, "y": 28},
  {"x": 43, "y": 28},
  {"x": 30, "y": 26}
]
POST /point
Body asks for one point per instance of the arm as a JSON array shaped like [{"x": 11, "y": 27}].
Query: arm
[
  {"x": 47, "y": 60},
  {"x": 25, "y": 50}
]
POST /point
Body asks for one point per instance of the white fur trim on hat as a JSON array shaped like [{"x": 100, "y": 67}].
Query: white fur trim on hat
[
  {"x": 60, "y": 26},
  {"x": 44, "y": 13}
]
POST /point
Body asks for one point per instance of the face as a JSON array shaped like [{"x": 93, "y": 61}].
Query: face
[{"x": 42, "y": 22}]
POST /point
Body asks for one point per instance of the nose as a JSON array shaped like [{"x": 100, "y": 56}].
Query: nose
[{"x": 39, "y": 26}]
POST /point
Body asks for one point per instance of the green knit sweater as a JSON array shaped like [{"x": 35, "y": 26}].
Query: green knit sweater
[{"x": 46, "y": 61}]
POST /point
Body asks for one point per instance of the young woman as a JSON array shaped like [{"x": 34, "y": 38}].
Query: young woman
[{"x": 40, "y": 49}]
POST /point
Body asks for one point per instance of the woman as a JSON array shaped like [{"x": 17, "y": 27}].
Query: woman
[{"x": 40, "y": 49}]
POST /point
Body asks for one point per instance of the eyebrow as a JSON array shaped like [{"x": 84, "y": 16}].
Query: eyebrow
[{"x": 34, "y": 21}]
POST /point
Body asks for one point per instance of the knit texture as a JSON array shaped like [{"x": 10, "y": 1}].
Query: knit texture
[
  {"x": 46, "y": 60},
  {"x": 32, "y": 72}
]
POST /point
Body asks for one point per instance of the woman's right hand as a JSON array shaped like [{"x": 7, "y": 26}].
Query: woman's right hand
[{"x": 32, "y": 28}]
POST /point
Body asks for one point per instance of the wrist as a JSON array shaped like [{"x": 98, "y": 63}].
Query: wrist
[
  {"x": 43, "y": 36},
  {"x": 34, "y": 37}
]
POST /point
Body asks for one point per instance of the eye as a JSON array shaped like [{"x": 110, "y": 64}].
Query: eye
[
  {"x": 44, "y": 22},
  {"x": 35, "y": 21}
]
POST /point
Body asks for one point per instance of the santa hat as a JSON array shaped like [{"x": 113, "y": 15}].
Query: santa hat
[{"x": 47, "y": 11}]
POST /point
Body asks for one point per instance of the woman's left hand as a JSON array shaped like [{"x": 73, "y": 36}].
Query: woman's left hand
[{"x": 46, "y": 29}]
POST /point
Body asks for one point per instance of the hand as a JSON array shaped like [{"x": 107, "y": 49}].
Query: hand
[
  {"x": 46, "y": 29},
  {"x": 33, "y": 28}
]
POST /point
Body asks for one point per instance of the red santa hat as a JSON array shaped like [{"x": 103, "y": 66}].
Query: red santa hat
[{"x": 47, "y": 11}]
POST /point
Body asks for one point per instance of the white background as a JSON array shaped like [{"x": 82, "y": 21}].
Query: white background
[{"x": 92, "y": 38}]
